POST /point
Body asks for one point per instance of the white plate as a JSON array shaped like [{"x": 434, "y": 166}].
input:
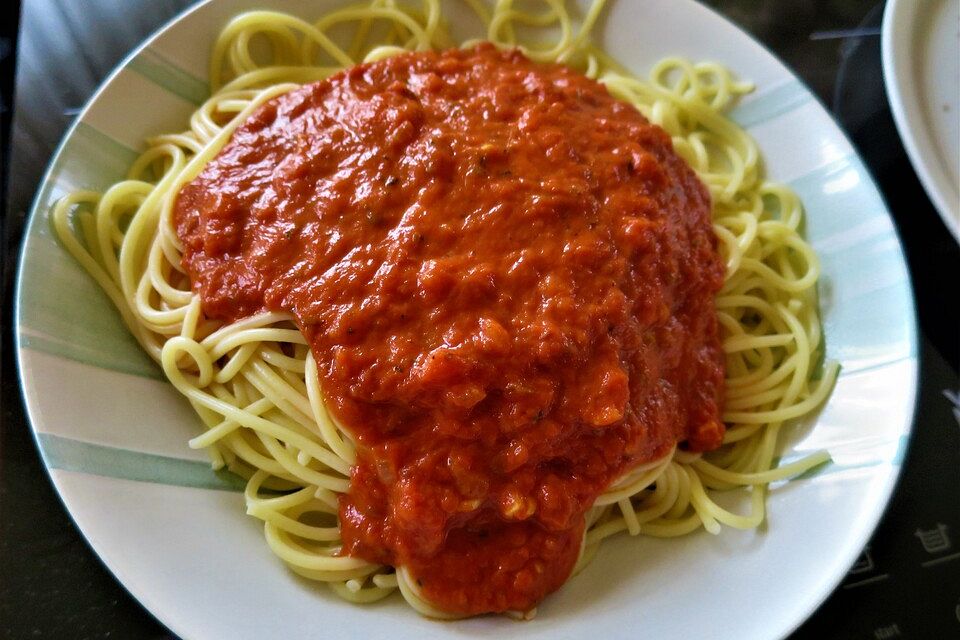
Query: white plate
[
  {"x": 113, "y": 434},
  {"x": 921, "y": 69}
]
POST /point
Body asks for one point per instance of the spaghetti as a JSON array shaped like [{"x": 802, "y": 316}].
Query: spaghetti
[{"x": 254, "y": 381}]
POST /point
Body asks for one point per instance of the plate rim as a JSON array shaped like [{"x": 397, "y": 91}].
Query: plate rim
[
  {"x": 896, "y": 45},
  {"x": 31, "y": 218},
  {"x": 166, "y": 619}
]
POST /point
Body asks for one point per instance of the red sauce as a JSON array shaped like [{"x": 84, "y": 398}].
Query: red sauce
[{"x": 507, "y": 278}]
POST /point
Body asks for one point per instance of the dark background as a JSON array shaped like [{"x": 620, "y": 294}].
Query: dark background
[{"x": 53, "y": 586}]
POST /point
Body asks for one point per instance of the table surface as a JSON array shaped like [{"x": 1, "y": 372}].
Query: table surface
[{"x": 53, "y": 586}]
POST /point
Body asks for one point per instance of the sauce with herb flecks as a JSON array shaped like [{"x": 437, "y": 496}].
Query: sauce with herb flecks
[{"x": 507, "y": 279}]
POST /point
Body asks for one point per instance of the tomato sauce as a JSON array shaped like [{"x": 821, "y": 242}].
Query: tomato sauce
[{"x": 507, "y": 279}]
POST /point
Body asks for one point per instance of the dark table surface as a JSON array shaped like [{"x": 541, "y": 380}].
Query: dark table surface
[{"x": 53, "y": 586}]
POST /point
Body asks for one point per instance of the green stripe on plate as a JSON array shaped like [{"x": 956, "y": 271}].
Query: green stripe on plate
[
  {"x": 107, "y": 356},
  {"x": 91, "y": 159},
  {"x": 830, "y": 467},
  {"x": 864, "y": 319},
  {"x": 767, "y": 105},
  {"x": 68, "y": 454},
  {"x": 62, "y": 311},
  {"x": 764, "y": 106},
  {"x": 111, "y": 462},
  {"x": 163, "y": 73}
]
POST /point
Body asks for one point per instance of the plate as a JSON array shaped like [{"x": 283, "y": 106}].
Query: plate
[
  {"x": 113, "y": 434},
  {"x": 921, "y": 69}
]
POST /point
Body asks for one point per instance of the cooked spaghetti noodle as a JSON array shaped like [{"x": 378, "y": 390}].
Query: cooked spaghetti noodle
[{"x": 254, "y": 382}]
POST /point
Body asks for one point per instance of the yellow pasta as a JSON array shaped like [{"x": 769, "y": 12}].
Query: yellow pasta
[{"x": 254, "y": 383}]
